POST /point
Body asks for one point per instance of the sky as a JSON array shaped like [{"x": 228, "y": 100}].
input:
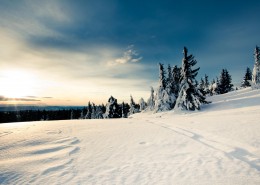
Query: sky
[{"x": 68, "y": 52}]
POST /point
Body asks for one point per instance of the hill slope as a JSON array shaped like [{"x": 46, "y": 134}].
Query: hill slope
[{"x": 218, "y": 145}]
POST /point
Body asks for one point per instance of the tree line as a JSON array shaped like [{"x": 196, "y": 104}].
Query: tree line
[{"x": 178, "y": 89}]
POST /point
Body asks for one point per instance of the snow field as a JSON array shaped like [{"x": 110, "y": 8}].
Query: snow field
[{"x": 218, "y": 145}]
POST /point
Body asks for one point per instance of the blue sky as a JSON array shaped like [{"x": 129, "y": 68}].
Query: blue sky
[{"x": 79, "y": 51}]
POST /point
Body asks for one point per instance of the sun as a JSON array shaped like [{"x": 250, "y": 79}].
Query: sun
[{"x": 17, "y": 83}]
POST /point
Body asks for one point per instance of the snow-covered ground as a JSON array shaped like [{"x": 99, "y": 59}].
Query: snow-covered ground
[{"x": 218, "y": 145}]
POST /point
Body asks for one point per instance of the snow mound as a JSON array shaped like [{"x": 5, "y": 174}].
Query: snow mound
[
  {"x": 218, "y": 145},
  {"x": 237, "y": 99}
]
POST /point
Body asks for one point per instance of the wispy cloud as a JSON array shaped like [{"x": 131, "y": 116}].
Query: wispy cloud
[
  {"x": 2, "y": 98},
  {"x": 130, "y": 55}
]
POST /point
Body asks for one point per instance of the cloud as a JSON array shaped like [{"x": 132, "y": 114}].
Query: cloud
[
  {"x": 130, "y": 55},
  {"x": 50, "y": 40},
  {"x": 2, "y": 98}
]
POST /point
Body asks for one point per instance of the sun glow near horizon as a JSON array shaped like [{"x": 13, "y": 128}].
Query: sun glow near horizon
[{"x": 18, "y": 83}]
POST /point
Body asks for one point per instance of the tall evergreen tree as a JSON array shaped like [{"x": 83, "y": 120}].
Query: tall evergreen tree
[
  {"x": 256, "y": 69},
  {"x": 112, "y": 109},
  {"x": 206, "y": 84},
  {"x": 176, "y": 72},
  {"x": 217, "y": 86},
  {"x": 169, "y": 80},
  {"x": 134, "y": 108},
  {"x": 165, "y": 99},
  {"x": 212, "y": 87},
  {"x": 122, "y": 109},
  {"x": 125, "y": 109},
  {"x": 99, "y": 113},
  {"x": 189, "y": 97},
  {"x": 93, "y": 113},
  {"x": 142, "y": 105},
  {"x": 247, "y": 78},
  {"x": 202, "y": 86},
  {"x": 225, "y": 84},
  {"x": 103, "y": 108},
  {"x": 151, "y": 101},
  {"x": 89, "y": 112},
  {"x": 162, "y": 79}
]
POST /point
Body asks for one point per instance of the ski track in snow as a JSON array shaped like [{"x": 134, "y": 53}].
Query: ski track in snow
[
  {"x": 236, "y": 152},
  {"x": 219, "y": 145}
]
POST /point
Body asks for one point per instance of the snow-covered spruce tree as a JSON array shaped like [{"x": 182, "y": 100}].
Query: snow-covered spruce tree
[
  {"x": 134, "y": 108},
  {"x": 176, "y": 73},
  {"x": 122, "y": 109},
  {"x": 169, "y": 79},
  {"x": 93, "y": 113},
  {"x": 112, "y": 109},
  {"x": 206, "y": 84},
  {"x": 189, "y": 97},
  {"x": 201, "y": 86},
  {"x": 103, "y": 108},
  {"x": 212, "y": 87},
  {"x": 151, "y": 101},
  {"x": 125, "y": 109},
  {"x": 142, "y": 105},
  {"x": 164, "y": 99},
  {"x": 256, "y": 69},
  {"x": 247, "y": 78},
  {"x": 89, "y": 112},
  {"x": 217, "y": 86},
  {"x": 169, "y": 96},
  {"x": 99, "y": 113},
  {"x": 225, "y": 82}
]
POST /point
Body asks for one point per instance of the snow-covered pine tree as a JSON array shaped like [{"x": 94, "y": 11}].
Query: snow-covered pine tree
[
  {"x": 89, "y": 112},
  {"x": 169, "y": 79},
  {"x": 134, "y": 108},
  {"x": 125, "y": 109},
  {"x": 103, "y": 108},
  {"x": 217, "y": 86},
  {"x": 112, "y": 109},
  {"x": 122, "y": 109},
  {"x": 159, "y": 104},
  {"x": 162, "y": 79},
  {"x": 176, "y": 73},
  {"x": 256, "y": 69},
  {"x": 212, "y": 87},
  {"x": 93, "y": 113},
  {"x": 206, "y": 84},
  {"x": 151, "y": 101},
  {"x": 142, "y": 105},
  {"x": 165, "y": 99},
  {"x": 247, "y": 78},
  {"x": 225, "y": 82},
  {"x": 99, "y": 112},
  {"x": 201, "y": 86},
  {"x": 169, "y": 96},
  {"x": 189, "y": 97}
]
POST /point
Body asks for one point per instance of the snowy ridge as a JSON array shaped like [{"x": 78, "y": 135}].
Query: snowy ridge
[{"x": 218, "y": 145}]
